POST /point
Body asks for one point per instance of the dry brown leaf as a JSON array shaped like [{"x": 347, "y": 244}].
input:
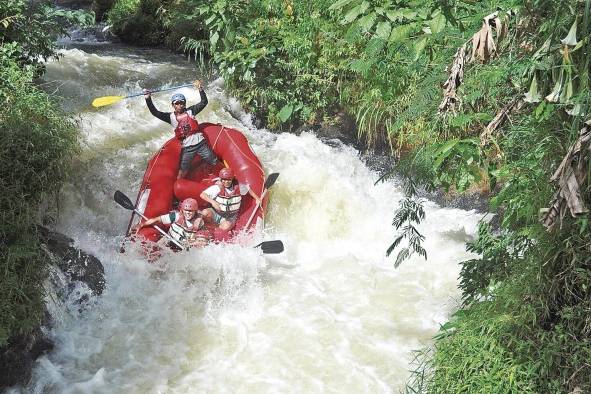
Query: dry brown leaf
[
  {"x": 456, "y": 76},
  {"x": 571, "y": 176},
  {"x": 483, "y": 41},
  {"x": 483, "y": 47}
]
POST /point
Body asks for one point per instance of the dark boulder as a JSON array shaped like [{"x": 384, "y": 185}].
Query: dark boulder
[
  {"x": 72, "y": 266},
  {"x": 74, "y": 263},
  {"x": 17, "y": 357}
]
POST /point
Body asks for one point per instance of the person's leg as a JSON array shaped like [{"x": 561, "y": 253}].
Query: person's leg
[
  {"x": 187, "y": 155},
  {"x": 229, "y": 222},
  {"x": 210, "y": 215},
  {"x": 206, "y": 153},
  {"x": 226, "y": 225},
  {"x": 207, "y": 214}
]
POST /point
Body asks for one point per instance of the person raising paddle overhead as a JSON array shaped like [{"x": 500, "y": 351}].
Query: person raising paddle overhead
[
  {"x": 186, "y": 225},
  {"x": 185, "y": 127},
  {"x": 225, "y": 197}
]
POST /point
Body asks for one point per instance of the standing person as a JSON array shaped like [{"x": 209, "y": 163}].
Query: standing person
[
  {"x": 225, "y": 197},
  {"x": 186, "y": 225},
  {"x": 185, "y": 127}
]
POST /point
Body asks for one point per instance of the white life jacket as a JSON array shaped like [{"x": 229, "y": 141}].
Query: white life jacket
[
  {"x": 182, "y": 229},
  {"x": 229, "y": 199}
]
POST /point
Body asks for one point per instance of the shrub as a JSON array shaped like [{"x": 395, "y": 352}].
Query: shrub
[
  {"x": 137, "y": 22},
  {"x": 36, "y": 145}
]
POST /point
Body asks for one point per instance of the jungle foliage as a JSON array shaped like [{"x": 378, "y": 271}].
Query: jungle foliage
[
  {"x": 36, "y": 144},
  {"x": 515, "y": 99}
]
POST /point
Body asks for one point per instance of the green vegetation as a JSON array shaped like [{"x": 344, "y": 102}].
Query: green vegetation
[
  {"x": 523, "y": 325},
  {"x": 136, "y": 21},
  {"x": 36, "y": 144}
]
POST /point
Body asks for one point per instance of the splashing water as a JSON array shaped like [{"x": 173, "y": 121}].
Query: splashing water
[{"x": 330, "y": 314}]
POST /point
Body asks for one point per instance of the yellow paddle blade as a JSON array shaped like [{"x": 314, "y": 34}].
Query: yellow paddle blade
[{"x": 107, "y": 100}]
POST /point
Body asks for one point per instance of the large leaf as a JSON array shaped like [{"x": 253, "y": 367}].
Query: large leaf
[
  {"x": 339, "y": 4},
  {"x": 366, "y": 22},
  {"x": 408, "y": 14},
  {"x": 420, "y": 47},
  {"x": 210, "y": 19},
  {"x": 394, "y": 15},
  {"x": 353, "y": 34},
  {"x": 383, "y": 30},
  {"x": 214, "y": 39},
  {"x": 361, "y": 66},
  {"x": 374, "y": 47},
  {"x": 442, "y": 153},
  {"x": 355, "y": 12},
  {"x": 437, "y": 23},
  {"x": 401, "y": 33},
  {"x": 285, "y": 113}
]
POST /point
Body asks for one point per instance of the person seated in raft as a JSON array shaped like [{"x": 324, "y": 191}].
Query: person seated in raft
[
  {"x": 186, "y": 226},
  {"x": 185, "y": 127},
  {"x": 225, "y": 197}
]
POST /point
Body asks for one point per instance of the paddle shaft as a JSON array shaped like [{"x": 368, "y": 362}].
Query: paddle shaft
[
  {"x": 256, "y": 208},
  {"x": 109, "y": 100},
  {"x": 161, "y": 90},
  {"x": 137, "y": 200}
]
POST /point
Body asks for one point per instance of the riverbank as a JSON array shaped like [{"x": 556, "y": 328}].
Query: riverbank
[
  {"x": 37, "y": 142},
  {"x": 502, "y": 123}
]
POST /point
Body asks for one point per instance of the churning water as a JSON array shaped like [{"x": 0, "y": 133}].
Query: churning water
[{"x": 330, "y": 314}]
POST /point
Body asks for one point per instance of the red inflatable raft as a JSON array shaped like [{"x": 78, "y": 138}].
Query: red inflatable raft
[{"x": 160, "y": 187}]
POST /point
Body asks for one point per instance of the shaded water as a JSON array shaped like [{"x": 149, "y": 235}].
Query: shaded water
[{"x": 330, "y": 314}]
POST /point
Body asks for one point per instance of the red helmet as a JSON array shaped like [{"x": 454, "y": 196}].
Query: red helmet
[
  {"x": 226, "y": 173},
  {"x": 189, "y": 204}
]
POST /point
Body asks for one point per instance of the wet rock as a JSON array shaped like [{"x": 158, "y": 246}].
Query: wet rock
[
  {"x": 18, "y": 356},
  {"x": 342, "y": 127},
  {"x": 70, "y": 269},
  {"x": 307, "y": 128},
  {"x": 74, "y": 263}
]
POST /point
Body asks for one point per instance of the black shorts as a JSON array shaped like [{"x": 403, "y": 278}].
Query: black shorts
[{"x": 202, "y": 149}]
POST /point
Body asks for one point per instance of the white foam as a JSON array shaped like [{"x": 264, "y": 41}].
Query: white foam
[{"x": 329, "y": 314}]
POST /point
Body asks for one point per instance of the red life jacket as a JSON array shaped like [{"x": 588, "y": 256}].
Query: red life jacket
[
  {"x": 229, "y": 201},
  {"x": 186, "y": 126}
]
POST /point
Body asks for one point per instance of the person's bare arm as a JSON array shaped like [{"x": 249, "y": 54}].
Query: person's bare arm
[
  {"x": 214, "y": 203},
  {"x": 148, "y": 222}
]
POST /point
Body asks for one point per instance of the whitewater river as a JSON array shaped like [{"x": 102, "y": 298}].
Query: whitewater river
[{"x": 330, "y": 314}]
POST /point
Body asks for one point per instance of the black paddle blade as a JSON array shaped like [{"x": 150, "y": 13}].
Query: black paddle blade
[
  {"x": 271, "y": 247},
  {"x": 271, "y": 180},
  {"x": 123, "y": 200}
]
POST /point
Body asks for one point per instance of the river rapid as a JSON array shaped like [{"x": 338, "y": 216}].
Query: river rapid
[{"x": 330, "y": 314}]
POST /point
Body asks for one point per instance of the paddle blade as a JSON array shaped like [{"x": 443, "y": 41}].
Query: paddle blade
[
  {"x": 123, "y": 200},
  {"x": 271, "y": 247},
  {"x": 271, "y": 180},
  {"x": 107, "y": 100}
]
